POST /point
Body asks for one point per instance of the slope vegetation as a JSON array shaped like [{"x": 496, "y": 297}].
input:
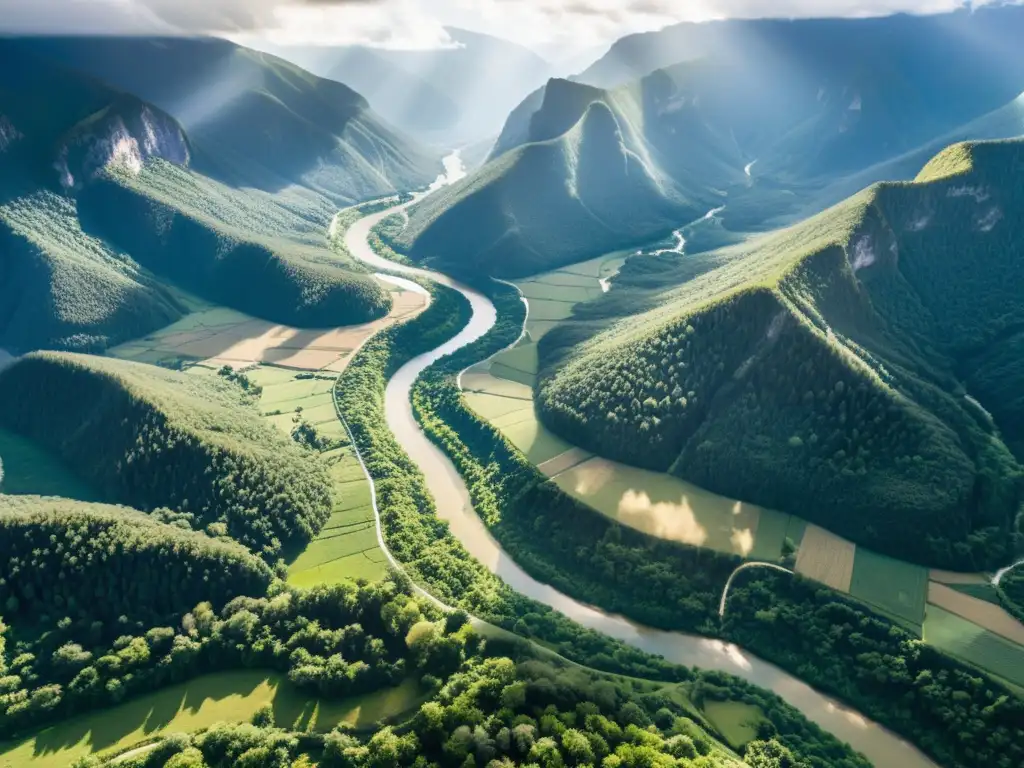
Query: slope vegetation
[
  {"x": 254, "y": 119},
  {"x": 856, "y": 369},
  {"x": 59, "y": 556},
  {"x": 212, "y": 240},
  {"x": 154, "y": 438},
  {"x": 586, "y": 172},
  {"x": 753, "y": 118},
  {"x": 58, "y": 285}
]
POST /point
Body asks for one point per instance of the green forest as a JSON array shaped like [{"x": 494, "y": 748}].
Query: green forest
[
  {"x": 202, "y": 242},
  {"x": 863, "y": 659},
  {"x": 153, "y": 438},
  {"x": 101, "y": 562},
  {"x": 855, "y": 370},
  {"x": 953, "y": 712}
]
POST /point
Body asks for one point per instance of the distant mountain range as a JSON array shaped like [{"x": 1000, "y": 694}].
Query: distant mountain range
[
  {"x": 127, "y": 163},
  {"x": 761, "y": 118},
  {"x": 448, "y": 96}
]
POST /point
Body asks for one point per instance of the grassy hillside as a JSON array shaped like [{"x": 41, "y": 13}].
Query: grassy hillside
[
  {"x": 60, "y": 556},
  {"x": 154, "y": 438},
  {"x": 853, "y": 369}
]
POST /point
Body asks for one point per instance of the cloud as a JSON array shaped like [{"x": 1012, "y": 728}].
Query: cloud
[{"x": 556, "y": 26}]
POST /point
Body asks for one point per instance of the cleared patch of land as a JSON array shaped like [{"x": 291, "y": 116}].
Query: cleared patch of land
[
  {"x": 224, "y": 697},
  {"x": 953, "y": 577},
  {"x": 222, "y": 336},
  {"x": 737, "y": 722},
  {"x": 346, "y": 549},
  {"x": 827, "y": 558},
  {"x": 27, "y": 468},
  {"x": 974, "y": 644},
  {"x": 984, "y": 614},
  {"x": 896, "y": 587}
]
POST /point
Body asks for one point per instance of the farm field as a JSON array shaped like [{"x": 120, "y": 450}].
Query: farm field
[
  {"x": 221, "y": 336},
  {"x": 989, "y": 616},
  {"x": 897, "y": 588},
  {"x": 224, "y": 697},
  {"x": 26, "y": 468},
  {"x": 346, "y": 548},
  {"x": 737, "y": 722},
  {"x": 974, "y": 644}
]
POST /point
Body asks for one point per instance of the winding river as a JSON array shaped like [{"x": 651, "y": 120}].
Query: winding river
[{"x": 882, "y": 747}]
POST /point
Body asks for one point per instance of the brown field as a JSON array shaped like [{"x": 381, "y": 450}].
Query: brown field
[
  {"x": 952, "y": 577},
  {"x": 219, "y": 337},
  {"x": 827, "y": 558},
  {"x": 984, "y": 614}
]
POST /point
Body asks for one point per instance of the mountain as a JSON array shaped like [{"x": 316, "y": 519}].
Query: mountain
[
  {"x": 763, "y": 122},
  {"x": 254, "y": 119},
  {"x": 234, "y": 159},
  {"x": 860, "y": 369},
  {"x": 453, "y": 95},
  {"x": 577, "y": 171},
  {"x": 988, "y": 34}
]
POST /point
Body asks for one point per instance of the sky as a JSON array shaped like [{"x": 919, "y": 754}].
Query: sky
[{"x": 554, "y": 28}]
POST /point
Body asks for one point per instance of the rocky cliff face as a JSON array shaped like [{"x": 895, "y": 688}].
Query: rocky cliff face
[{"x": 123, "y": 136}]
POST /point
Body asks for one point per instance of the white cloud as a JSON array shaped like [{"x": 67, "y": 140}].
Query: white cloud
[{"x": 562, "y": 25}]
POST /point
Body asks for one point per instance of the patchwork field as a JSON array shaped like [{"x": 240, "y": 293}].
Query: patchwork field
[
  {"x": 898, "y": 589},
  {"x": 974, "y": 644},
  {"x": 347, "y": 546},
  {"x": 219, "y": 336},
  {"x": 986, "y": 615},
  {"x": 226, "y": 697},
  {"x": 26, "y": 468},
  {"x": 827, "y": 558}
]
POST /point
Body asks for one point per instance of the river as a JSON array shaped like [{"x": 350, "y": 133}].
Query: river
[{"x": 882, "y": 747}]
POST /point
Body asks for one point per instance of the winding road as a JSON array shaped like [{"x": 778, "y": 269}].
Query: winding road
[{"x": 882, "y": 747}]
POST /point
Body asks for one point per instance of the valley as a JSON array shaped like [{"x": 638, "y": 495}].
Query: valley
[{"x": 365, "y": 406}]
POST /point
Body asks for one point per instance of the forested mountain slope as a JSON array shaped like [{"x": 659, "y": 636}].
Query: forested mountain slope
[
  {"x": 761, "y": 119},
  {"x": 104, "y": 193},
  {"x": 254, "y": 119},
  {"x": 587, "y": 171},
  {"x": 151, "y": 438},
  {"x": 60, "y": 556},
  {"x": 58, "y": 285},
  {"x": 843, "y": 370}
]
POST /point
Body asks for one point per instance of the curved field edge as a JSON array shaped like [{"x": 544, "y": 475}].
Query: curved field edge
[
  {"x": 440, "y": 407},
  {"x": 435, "y": 559},
  {"x": 198, "y": 704}
]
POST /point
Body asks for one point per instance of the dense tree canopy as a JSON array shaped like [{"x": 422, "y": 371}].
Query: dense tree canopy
[
  {"x": 839, "y": 370},
  {"x": 952, "y": 711},
  {"x": 152, "y": 438},
  {"x": 93, "y": 561}
]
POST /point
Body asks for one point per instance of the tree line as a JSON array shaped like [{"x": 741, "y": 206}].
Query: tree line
[
  {"x": 152, "y": 438},
  {"x": 435, "y": 558},
  {"x": 955, "y": 713},
  {"x": 93, "y": 561}
]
